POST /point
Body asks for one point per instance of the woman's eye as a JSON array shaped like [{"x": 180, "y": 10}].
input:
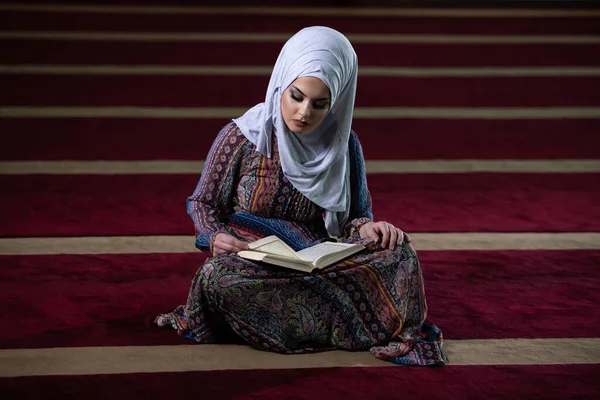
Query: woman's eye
[
  {"x": 296, "y": 98},
  {"x": 320, "y": 105}
]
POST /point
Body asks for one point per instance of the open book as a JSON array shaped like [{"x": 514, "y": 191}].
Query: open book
[{"x": 275, "y": 251}]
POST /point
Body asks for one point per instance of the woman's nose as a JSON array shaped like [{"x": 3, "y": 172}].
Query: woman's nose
[{"x": 306, "y": 110}]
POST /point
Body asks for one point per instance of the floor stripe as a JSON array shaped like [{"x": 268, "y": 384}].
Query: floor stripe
[
  {"x": 185, "y": 244},
  {"x": 225, "y": 70},
  {"x": 372, "y": 166},
  {"x": 282, "y": 37},
  {"x": 307, "y": 11},
  {"x": 140, "y": 359},
  {"x": 359, "y": 112}
]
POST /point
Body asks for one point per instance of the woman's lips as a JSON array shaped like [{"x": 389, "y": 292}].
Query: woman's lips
[{"x": 299, "y": 123}]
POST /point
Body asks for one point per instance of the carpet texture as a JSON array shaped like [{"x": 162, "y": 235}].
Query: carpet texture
[
  {"x": 489, "y": 382},
  {"x": 387, "y": 139},
  {"x": 108, "y": 300},
  {"x": 191, "y": 22},
  {"x": 49, "y": 51},
  {"x": 386, "y": 91},
  {"x": 98, "y": 205}
]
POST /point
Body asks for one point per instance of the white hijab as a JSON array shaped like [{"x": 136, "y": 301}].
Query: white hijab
[{"x": 315, "y": 163}]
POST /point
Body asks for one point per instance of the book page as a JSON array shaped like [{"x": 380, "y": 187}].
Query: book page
[
  {"x": 313, "y": 253},
  {"x": 274, "y": 245},
  {"x": 274, "y": 259}
]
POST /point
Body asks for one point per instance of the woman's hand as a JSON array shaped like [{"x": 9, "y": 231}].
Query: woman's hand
[
  {"x": 389, "y": 235},
  {"x": 225, "y": 243}
]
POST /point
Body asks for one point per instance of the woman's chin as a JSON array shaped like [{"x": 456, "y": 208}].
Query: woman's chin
[{"x": 300, "y": 130}]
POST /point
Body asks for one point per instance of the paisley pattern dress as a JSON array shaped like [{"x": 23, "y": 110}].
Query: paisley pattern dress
[{"x": 373, "y": 300}]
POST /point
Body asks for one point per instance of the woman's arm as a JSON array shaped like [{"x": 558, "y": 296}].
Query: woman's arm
[
  {"x": 212, "y": 199},
  {"x": 361, "y": 210},
  {"x": 360, "y": 222}
]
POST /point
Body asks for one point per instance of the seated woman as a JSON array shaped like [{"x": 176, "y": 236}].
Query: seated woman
[{"x": 292, "y": 167}]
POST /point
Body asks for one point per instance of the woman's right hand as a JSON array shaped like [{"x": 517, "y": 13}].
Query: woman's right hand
[{"x": 225, "y": 243}]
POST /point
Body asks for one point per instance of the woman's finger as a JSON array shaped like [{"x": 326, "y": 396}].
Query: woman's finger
[
  {"x": 393, "y": 236},
  {"x": 400, "y": 236},
  {"x": 223, "y": 247},
  {"x": 373, "y": 234},
  {"x": 225, "y": 243},
  {"x": 239, "y": 245},
  {"x": 234, "y": 243},
  {"x": 385, "y": 234},
  {"x": 217, "y": 250}
]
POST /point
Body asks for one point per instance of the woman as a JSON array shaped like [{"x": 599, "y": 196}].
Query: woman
[{"x": 292, "y": 167}]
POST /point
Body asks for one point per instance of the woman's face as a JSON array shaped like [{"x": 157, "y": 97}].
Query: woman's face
[{"x": 304, "y": 104}]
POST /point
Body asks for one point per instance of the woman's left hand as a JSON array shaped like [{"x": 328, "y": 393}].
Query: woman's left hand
[{"x": 389, "y": 235}]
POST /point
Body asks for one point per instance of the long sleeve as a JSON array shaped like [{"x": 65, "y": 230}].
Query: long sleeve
[
  {"x": 361, "y": 210},
  {"x": 211, "y": 201}
]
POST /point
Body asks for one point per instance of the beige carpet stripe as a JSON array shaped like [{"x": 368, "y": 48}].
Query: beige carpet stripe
[
  {"x": 359, "y": 112},
  {"x": 225, "y": 70},
  {"x": 147, "y": 359},
  {"x": 305, "y": 11},
  {"x": 185, "y": 244},
  {"x": 250, "y": 37},
  {"x": 372, "y": 166}
]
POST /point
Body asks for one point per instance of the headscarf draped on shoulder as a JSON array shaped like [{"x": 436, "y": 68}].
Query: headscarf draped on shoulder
[{"x": 315, "y": 163}]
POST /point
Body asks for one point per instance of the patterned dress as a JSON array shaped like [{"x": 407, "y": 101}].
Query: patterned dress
[{"x": 374, "y": 300}]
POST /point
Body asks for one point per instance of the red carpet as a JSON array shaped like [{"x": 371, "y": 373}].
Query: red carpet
[
  {"x": 489, "y": 382},
  {"x": 207, "y": 91},
  {"x": 292, "y": 23},
  {"x": 71, "y": 205},
  {"x": 101, "y": 300},
  {"x": 231, "y": 53},
  {"x": 190, "y": 139},
  {"x": 63, "y": 301}
]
